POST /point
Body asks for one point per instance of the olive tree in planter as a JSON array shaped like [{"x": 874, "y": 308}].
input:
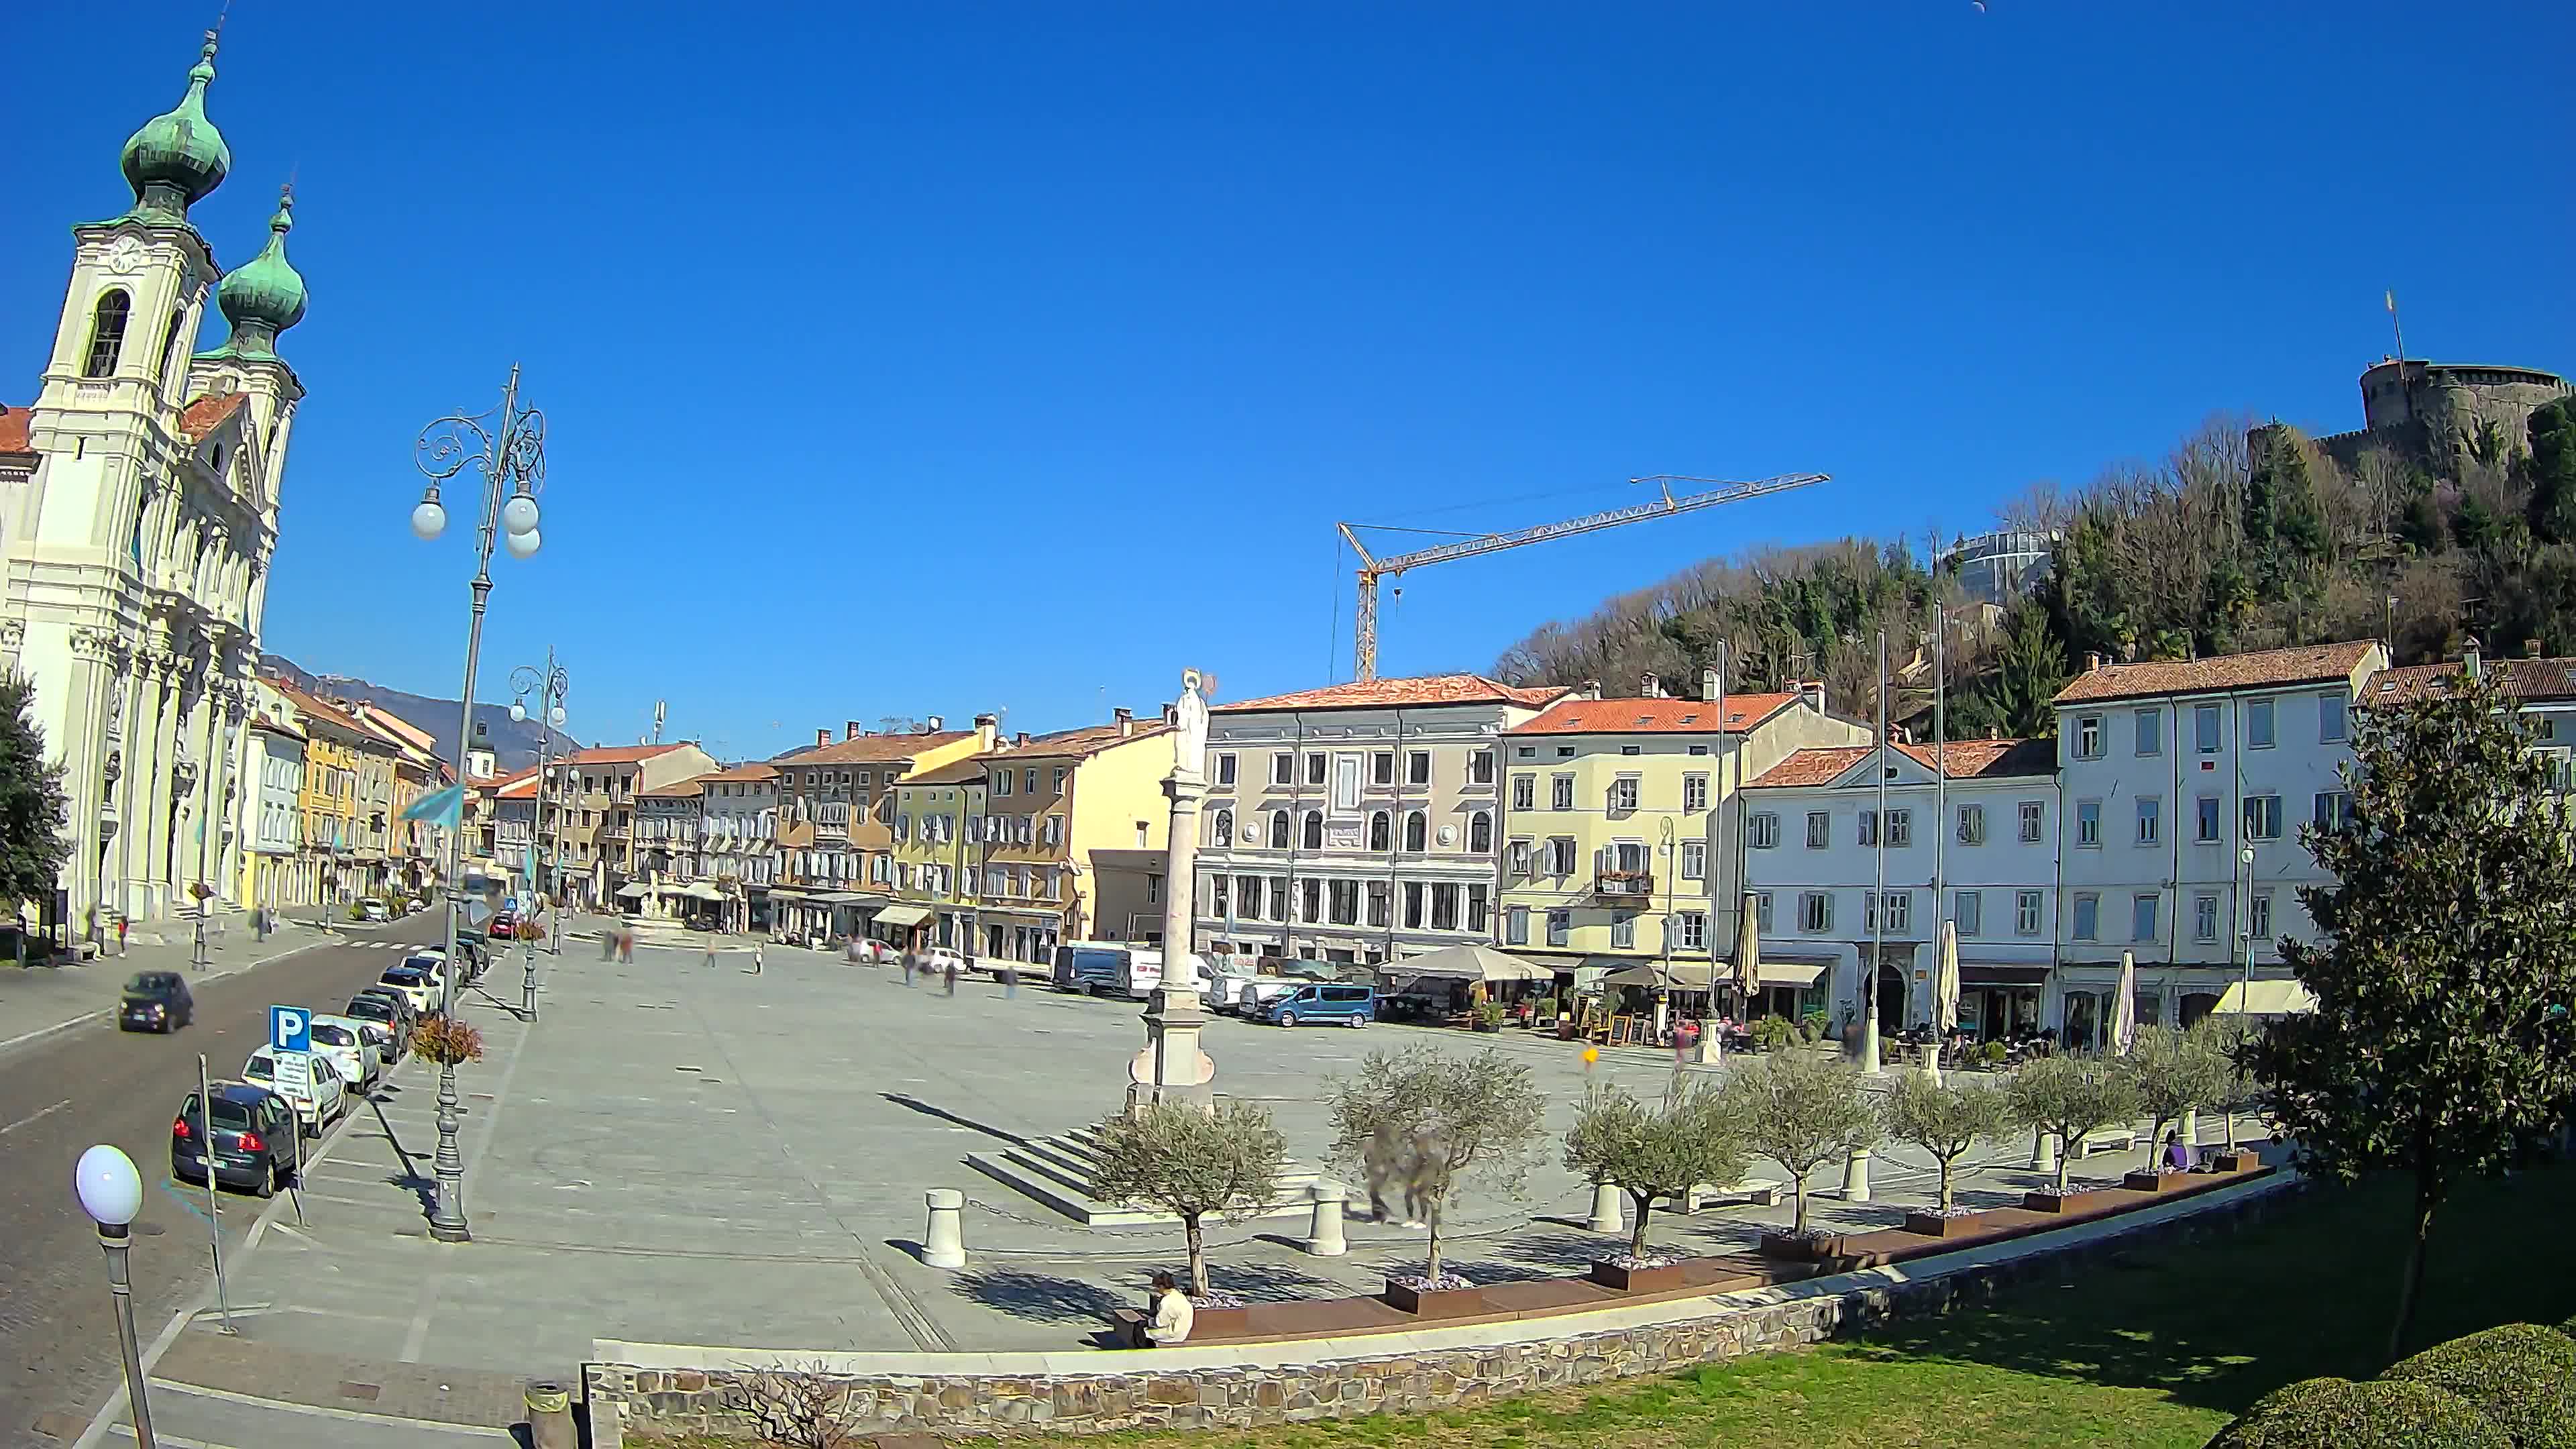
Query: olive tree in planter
[
  {"x": 1650, "y": 1154},
  {"x": 1800, "y": 1110},
  {"x": 2223, "y": 1042},
  {"x": 1456, "y": 1119},
  {"x": 1192, "y": 1163},
  {"x": 2070, "y": 1098},
  {"x": 1944, "y": 1118},
  {"x": 2172, "y": 1075}
]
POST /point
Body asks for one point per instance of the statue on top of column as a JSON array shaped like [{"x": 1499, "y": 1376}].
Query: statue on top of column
[{"x": 1189, "y": 741}]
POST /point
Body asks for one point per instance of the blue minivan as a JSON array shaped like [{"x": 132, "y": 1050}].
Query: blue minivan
[{"x": 1323, "y": 1001}]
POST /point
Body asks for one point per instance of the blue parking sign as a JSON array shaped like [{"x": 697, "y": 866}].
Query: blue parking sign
[{"x": 290, "y": 1028}]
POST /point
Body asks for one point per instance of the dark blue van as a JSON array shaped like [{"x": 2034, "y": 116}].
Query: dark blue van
[{"x": 1323, "y": 1003}]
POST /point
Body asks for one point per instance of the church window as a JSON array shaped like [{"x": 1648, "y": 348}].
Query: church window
[
  {"x": 107, "y": 333},
  {"x": 170, "y": 341}
]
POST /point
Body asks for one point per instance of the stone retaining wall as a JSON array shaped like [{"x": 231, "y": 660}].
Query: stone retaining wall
[{"x": 642, "y": 1402}]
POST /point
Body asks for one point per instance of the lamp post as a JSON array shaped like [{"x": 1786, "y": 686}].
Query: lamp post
[
  {"x": 2245, "y": 928},
  {"x": 111, "y": 1192},
  {"x": 508, "y": 447},
  {"x": 549, "y": 686}
]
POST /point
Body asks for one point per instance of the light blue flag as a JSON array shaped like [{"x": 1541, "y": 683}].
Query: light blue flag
[{"x": 439, "y": 807}]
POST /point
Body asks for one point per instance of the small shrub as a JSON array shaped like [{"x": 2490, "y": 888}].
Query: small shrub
[
  {"x": 1815, "y": 1024},
  {"x": 2341, "y": 1414},
  {"x": 1774, "y": 1033},
  {"x": 2520, "y": 1375},
  {"x": 1994, "y": 1054},
  {"x": 2569, "y": 1327}
]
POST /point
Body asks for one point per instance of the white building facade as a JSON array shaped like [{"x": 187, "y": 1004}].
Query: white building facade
[
  {"x": 1287, "y": 862},
  {"x": 2183, "y": 785},
  {"x": 738, "y": 841},
  {"x": 1979, "y": 848},
  {"x": 276, "y": 826},
  {"x": 137, "y": 551}
]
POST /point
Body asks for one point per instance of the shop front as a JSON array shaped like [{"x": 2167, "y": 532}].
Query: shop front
[
  {"x": 901, "y": 926},
  {"x": 2001, "y": 1001}
]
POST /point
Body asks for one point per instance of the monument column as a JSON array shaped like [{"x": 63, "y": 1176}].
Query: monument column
[{"x": 1171, "y": 1068}]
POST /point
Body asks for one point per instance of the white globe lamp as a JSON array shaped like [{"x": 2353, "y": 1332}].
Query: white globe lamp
[
  {"x": 111, "y": 1191},
  {"x": 520, "y": 545},
  {"x": 519, "y": 515},
  {"x": 429, "y": 520}
]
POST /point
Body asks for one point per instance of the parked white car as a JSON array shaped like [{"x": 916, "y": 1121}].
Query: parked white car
[
  {"x": 373, "y": 910},
  {"x": 418, "y": 979},
  {"x": 320, "y": 1102},
  {"x": 940, "y": 959},
  {"x": 344, "y": 1042}
]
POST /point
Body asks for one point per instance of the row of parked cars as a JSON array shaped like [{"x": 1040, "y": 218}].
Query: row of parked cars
[
  {"x": 1290, "y": 993},
  {"x": 245, "y": 1132}
]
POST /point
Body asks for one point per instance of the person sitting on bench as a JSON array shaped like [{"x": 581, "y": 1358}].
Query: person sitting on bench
[{"x": 1172, "y": 1314}]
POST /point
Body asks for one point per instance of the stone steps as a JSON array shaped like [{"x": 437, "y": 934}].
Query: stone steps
[{"x": 1058, "y": 1171}]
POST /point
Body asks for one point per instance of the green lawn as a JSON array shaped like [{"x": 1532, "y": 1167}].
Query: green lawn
[{"x": 2158, "y": 1349}]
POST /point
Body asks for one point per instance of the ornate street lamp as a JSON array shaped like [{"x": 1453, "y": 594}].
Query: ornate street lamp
[
  {"x": 508, "y": 447},
  {"x": 549, "y": 685}
]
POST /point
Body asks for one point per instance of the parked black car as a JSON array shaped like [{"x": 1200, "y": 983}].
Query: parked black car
[
  {"x": 253, "y": 1133},
  {"x": 156, "y": 1001}
]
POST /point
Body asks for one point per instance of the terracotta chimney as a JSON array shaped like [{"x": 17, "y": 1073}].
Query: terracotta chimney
[
  {"x": 1591, "y": 690},
  {"x": 2530, "y": 648},
  {"x": 822, "y": 736},
  {"x": 988, "y": 728},
  {"x": 1126, "y": 719},
  {"x": 2092, "y": 661},
  {"x": 1814, "y": 690},
  {"x": 1019, "y": 739},
  {"x": 1708, "y": 685},
  {"x": 850, "y": 730},
  {"x": 1652, "y": 687}
]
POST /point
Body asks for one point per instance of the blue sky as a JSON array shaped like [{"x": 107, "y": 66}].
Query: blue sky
[{"x": 943, "y": 357}]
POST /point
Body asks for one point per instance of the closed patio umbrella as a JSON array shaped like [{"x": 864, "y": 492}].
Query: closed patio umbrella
[
  {"x": 1945, "y": 993},
  {"x": 1748, "y": 951},
  {"x": 2124, "y": 1008}
]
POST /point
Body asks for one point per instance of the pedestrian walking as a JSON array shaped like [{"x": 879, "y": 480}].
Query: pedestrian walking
[
  {"x": 626, "y": 944},
  {"x": 711, "y": 953},
  {"x": 948, "y": 969},
  {"x": 759, "y": 958},
  {"x": 120, "y": 935},
  {"x": 1011, "y": 980},
  {"x": 608, "y": 943},
  {"x": 908, "y": 966}
]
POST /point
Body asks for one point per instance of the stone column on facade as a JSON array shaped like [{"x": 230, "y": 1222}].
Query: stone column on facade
[
  {"x": 1172, "y": 1067},
  {"x": 150, "y": 789}
]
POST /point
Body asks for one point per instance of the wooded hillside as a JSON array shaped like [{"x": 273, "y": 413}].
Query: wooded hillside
[{"x": 2228, "y": 544}]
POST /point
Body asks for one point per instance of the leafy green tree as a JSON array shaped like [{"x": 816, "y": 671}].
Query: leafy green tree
[
  {"x": 2441, "y": 1044},
  {"x": 2070, "y": 1098},
  {"x": 2172, "y": 1074},
  {"x": 1192, "y": 1163},
  {"x": 2550, "y": 472},
  {"x": 2028, "y": 671},
  {"x": 1460, "y": 1118},
  {"x": 1944, "y": 1118},
  {"x": 1800, "y": 1110},
  {"x": 2223, "y": 1041},
  {"x": 33, "y": 847},
  {"x": 1650, "y": 1154}
]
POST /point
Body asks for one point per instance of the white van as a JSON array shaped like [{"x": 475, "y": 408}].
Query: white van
[{"x": 1140, "y": 972}]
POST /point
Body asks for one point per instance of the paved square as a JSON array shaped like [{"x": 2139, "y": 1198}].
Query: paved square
[{"x": 687, "y": 1153}]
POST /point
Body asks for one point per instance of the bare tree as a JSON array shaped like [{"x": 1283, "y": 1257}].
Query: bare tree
[{"x": 800, "y": 1405}]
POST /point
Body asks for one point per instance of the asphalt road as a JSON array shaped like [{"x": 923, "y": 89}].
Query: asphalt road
[{"x": 58, "y": 1352}]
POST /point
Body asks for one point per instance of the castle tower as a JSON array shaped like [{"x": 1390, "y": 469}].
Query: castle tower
[{"x": 135, "y": 551}]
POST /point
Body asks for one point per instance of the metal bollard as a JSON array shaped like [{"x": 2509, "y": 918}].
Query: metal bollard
[
  {"x": 550, "y": 1423},
  {"x": 943, "y": 1243},
  {"x": 1324, "y": 1238},
  {"x": 1856, "y": 1176},
  {"x": 1609, "y": 1209},
  {"x": 2043, "y": 1152}
]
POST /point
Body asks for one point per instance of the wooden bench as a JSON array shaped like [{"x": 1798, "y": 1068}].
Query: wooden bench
[
  {"x": 2109, "y": 1139},
  {"x": 1757, "y": 1191}
]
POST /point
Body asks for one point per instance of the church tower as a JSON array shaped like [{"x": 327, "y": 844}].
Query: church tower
[{"x": 138, "y": 549}]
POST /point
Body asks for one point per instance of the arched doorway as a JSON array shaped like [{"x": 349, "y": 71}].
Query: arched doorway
[{"x": 1891, "y": 1000}]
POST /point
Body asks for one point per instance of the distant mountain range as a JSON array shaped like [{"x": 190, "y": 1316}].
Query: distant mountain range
[{"x": 514, "y": 743}]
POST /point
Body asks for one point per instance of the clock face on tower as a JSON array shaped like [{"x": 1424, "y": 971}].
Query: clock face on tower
[{"x": 125, "y": 256}]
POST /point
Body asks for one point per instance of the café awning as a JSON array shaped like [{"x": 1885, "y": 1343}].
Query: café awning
[
  {"x": 2267, "y": 998},
  {"x": 903, "y": 915},
  {"x": 1466, "y": 963},
  {"x": 704, "y": 891},
  {"x": 633, "y": 891}
]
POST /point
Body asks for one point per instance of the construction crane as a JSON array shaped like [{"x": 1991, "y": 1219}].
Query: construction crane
[{"x": 1373, "y": 568}]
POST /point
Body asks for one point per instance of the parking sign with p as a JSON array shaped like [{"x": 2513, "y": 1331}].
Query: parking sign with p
[{"x": 290, "y": 1028}]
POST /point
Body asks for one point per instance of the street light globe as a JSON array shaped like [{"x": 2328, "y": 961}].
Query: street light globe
[
  {"x": 558, "y": 716},
  {"x": 520, "y": 545},
  {"x": 518, "y": 711},
  {"x": 519, "y": 515},
  {"x": 2246, "y": 855},
  {"x": 429, "y": 520},
  {"x": 111, "y": 1191}
]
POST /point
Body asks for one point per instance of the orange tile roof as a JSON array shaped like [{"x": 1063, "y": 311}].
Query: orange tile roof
[
  {"x": 753, "y": 771},
  {"x": 873, "y": 749},
  {"x": 2512, "y": 678},
  {"x": 687, "y": 789},
  {"x": 13, "y": 430},
  {"x": 1427, "y": 689},
  {"x": 1968, "y": 760},
  {"x": 321, "y": 708},
  {"x": 1089, "y": 740},
  {"x": 1652, "y": 716},
  {"x": 205, "y": 414},
  {"x": 521, "y": 786},
  {"x": 2306, "y": 664}
]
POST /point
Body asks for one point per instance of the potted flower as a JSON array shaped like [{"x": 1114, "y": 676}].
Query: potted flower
[
  {"x": 1489, "y": 1015},
  {"x": 447, "y": 1041}
]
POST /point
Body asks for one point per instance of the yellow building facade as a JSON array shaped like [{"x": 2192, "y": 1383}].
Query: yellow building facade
[{"x": 1619, "y": 823}]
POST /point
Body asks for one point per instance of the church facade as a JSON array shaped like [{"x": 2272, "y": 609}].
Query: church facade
[{"x": 137, "y": 546}]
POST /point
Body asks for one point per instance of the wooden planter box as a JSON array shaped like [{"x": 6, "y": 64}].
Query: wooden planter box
[
  {"x": 2082, "y": 1202},
  {"x": 1221, "y": 1322},
  {"x": 2155, "y": 1181},
  {"x": 1442, "y": 1303},
  {"x": 2245, "y": 1161},
  {"x": 1636, "y": 1280},
  {"x": 1933, "y": 1225},
  {"x": 1790, "y": 1248}
]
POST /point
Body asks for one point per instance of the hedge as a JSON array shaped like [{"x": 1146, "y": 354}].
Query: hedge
[
  {"x": 2520, "y": 1375},
  {"x": 2341, "y": 1414}
]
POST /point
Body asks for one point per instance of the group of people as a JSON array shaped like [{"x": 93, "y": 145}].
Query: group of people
[{"x": 1406, "y": 1164}]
